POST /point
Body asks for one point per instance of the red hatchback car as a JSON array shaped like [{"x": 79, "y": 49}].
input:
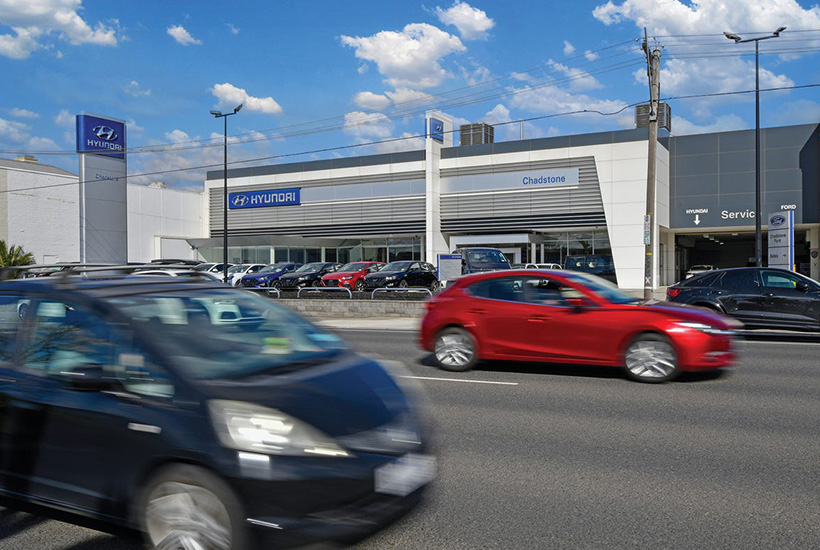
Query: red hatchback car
[
  {"x": 570, "y": 317},
  {"x": 351, "y": 275}
]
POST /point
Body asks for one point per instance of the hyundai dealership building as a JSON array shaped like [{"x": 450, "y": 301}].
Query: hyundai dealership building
[
  {"x": 581, "y": 198},
  {"x": 575, "y": 200}
]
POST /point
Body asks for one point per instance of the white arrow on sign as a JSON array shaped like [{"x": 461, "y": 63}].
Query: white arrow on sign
[{"x": 697, "y": 219}]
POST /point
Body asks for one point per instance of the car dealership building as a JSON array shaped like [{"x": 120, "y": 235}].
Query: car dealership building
[
  {"x": 539, "y": 200},
  {"x": 576, "y": 200}
]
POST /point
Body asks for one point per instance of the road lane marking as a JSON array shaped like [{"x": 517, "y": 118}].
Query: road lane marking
[
  {"x": 462, "y": 380},
  {"x": 769, "y": 342}
]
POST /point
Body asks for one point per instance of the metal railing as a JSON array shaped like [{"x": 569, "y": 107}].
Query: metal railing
[
  {"x": 266, "y": 290},
  {"x": 324, "y": 289},
  {"x": 407, "y": 289}
]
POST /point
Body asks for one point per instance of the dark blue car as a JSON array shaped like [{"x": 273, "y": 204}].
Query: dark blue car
[
  {"x": 268, "y": 276},
  {"x": 206, "y": 416}
]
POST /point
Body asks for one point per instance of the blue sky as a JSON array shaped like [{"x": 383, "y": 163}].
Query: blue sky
[{"x": 330, "y": 78}]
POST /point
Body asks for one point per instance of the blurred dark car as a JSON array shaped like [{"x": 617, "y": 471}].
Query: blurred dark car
[
  {"x": 764, "y": 297},
  {"x": 568, "y": 317},
  {"x": 404, "y": 274},
  {"x": 351, "y": 275},
  {"x": 601, "y": 265},
  {"x": 269, "y": 275},
  {"x": 307, "y": 275},
  {"x": 207, "y": 417}
]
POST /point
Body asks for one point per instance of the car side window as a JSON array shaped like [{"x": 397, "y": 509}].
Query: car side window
[
  {"x": 743, "y": 278},
  {"x": 508, "y": 289},
  {"x": 13, "y": 308},
  {"x": 137, "y": 372},
  {"x": 64, "y": 337},
  {"x": 776, "y": 279}
]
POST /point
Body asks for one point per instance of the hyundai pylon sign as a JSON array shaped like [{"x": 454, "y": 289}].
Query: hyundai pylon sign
[
  {"x": 101, "y": 147},
  {"x": 781, "y": 239}
]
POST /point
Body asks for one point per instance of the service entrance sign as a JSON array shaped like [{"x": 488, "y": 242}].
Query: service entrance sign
[{"x": 781, "y": 239}]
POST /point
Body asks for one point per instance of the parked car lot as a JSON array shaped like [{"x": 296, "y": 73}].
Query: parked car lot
[
  {"x": 205, "y": 416},
  {"x": 236, "y": 272},
  {"x": 765, "y": 297},
  {"x": 403, "y": 274},
  {"x": 568, "y": 317},
  {"x": 351, "y": 275},
  {"x": 536, "y": 266}
]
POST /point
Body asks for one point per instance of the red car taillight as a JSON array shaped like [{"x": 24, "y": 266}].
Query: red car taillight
[{"x": 672, "y": 292}]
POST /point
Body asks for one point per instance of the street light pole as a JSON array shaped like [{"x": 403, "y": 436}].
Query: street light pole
[
  {"x": 758, "y": 215},
  {"x": 220, "y": 114}
]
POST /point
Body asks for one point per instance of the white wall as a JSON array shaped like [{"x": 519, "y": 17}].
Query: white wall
[
  {"x": 158, "y": 212},
  {"x": 44, "y": 213}
]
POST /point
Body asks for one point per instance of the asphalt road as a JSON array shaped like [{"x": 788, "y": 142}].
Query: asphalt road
[{"x": 534, "y": 456}]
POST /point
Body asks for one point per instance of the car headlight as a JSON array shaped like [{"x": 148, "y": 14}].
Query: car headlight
[
  {"x": 703, "y": 327},
  {"x": 347, "y": 278},
  {"x": 390, "y": 278},
  {"x": 257, "y": 429}
]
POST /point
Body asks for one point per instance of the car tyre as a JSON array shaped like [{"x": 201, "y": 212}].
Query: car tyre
[
  {"x": 403, "y": 283},
  {"x": 651, "y": 358},
  {"x": 186, "y": 506},
  {"x": 360, "y": 285},
  {"x": 435, "y": 286},
  {"x": 455, "y": 350},
  {"x": 316, "y": 282}
]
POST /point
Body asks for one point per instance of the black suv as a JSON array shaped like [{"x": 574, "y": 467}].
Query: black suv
[
  {"x": 307, "y": 275},
  {"x": 765, "y": 297},
  {"x": 206, "y": 416},
  {"x": 404, "y": 275}
]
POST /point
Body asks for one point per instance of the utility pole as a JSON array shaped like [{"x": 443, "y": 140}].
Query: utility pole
[{"x": 653, "y": 62}]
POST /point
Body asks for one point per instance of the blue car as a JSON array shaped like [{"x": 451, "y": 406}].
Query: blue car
[{"x": 268, "y": 276}]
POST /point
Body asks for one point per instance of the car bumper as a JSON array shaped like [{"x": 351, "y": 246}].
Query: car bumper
[
  {"x": 713, "y": 353},
  {"x": 342, "y": 504}
]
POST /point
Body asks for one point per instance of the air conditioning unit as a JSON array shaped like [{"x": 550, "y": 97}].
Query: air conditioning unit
[
  {"x": 664, "y": 116},
  {"x": 476, "y": 134}
]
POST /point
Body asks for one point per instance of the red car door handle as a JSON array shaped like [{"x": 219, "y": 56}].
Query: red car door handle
[
  {"x": 478, "y": 311},
  {"x": 537, "y": 319}
]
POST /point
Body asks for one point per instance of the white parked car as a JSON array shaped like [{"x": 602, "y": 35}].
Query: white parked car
[
  {"x": 185, "y": 273},
  {"x": 236, "y": 272},
  {"x": 537, "y": 266},
  {"x": 695, "y": 269}
]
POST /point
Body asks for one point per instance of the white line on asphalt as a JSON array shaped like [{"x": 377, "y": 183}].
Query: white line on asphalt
[
  {"x": 462, "y": 380},
  {"x": 770, "y": 342}
]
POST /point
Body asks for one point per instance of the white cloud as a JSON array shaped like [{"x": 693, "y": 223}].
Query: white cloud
[
  {"x": 18, "y": 134},
  {"x": 371, "y": 101},
  {"x": 407, "y": 142},
  {"x": 182, "y": 36},
  {"x": 230, "y": 96},
  {"x": 476, "y": 75},
  {"x": 801, "y": 111},
  {"x": 404, "y": 96},
  {"x": 590, "y": 55},
  {"x": 233, "y": 29},
  {"x": 133, "y": 127},
  {"x": 472, "y": 23},
  {"x": 723, "y": 123},
  {"x": 23, "y": 113},
  {"x": 499, "y": 115},
  {"x": 133, "y": 88},
  {"x": 64, "y": 118},
  {"x": 177, "y": 136},
  {"x": 569, "y": 49},
  {"x": 578, "y": 79},
  {"x": 410, "y": 58},
  {"x": 549, "y": 100},
  {"x": 706, "y": 75},
  {"x": 33, "y": 22},
  {"x": 368, "y": 126}
]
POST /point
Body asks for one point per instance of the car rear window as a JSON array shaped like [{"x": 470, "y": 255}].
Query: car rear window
[
  {"x": 705, "y": 279},
  {"x": 742, "y": 278}
]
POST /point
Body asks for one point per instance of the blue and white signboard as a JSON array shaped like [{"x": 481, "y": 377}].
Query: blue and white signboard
[
  {"x": 781, "y": 239},
  {"x": 261, "y": 199},
  {"x": 449, "y": 267},
  {"x": 101, "y": 136},
  {"x": 437, "y": 130}
]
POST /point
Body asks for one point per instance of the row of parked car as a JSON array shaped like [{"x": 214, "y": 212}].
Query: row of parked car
[{"x": 358, "y": 276}]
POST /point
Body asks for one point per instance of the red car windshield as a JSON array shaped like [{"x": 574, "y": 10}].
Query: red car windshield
[{"x": 347, "y": 268}]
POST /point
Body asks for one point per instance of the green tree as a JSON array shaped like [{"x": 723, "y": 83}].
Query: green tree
[{"x": 14, "y": 255}]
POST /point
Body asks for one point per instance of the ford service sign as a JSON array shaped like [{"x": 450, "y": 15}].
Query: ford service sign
[
  {"x": 101, "y": 136},
  {"x": 260, "y": 199},
  {"x": 777, "y": 220}
]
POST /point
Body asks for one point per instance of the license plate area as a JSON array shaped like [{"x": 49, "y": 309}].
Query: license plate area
[{"x": 404, "y": 475}]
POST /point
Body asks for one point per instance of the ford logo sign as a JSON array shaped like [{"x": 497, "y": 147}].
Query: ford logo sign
[
  {"x": 240, "y": 201},
  {"x": 105, "y": 132},
  {"x": 777, "y": 221}
]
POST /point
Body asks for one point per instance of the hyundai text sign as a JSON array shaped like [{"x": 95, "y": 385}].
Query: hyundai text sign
[
  {"x": 101, "y": 136},
  {"x": 259, "y": 199}
]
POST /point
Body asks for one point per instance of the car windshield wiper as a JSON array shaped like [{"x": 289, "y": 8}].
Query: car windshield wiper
[{"x": 279, "y": 369}]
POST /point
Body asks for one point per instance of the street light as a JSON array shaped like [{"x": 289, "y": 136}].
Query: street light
[
  {"x": 220, "y": 114},
  {"x": 758, "y": 231}
]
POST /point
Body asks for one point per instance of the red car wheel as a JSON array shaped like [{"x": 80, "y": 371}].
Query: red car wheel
[
  {"x": 651, "y": 358},
  {"x": 455, "y": 350}
]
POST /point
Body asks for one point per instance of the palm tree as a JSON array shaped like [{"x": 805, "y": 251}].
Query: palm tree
[{"x": 14, "y": 255}]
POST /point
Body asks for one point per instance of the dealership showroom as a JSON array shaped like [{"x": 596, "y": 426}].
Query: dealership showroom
[{"x": 539, "y": 200}]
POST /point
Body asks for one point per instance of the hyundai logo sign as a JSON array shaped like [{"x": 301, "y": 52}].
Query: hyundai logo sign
[
  {"x": 777, "y": 220},
  {"x": 238, "y": 201},
  {"x": 101, "y": 136},
  {"x": 105, "y": 132},
  {"x": 260, "y": 199}
]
